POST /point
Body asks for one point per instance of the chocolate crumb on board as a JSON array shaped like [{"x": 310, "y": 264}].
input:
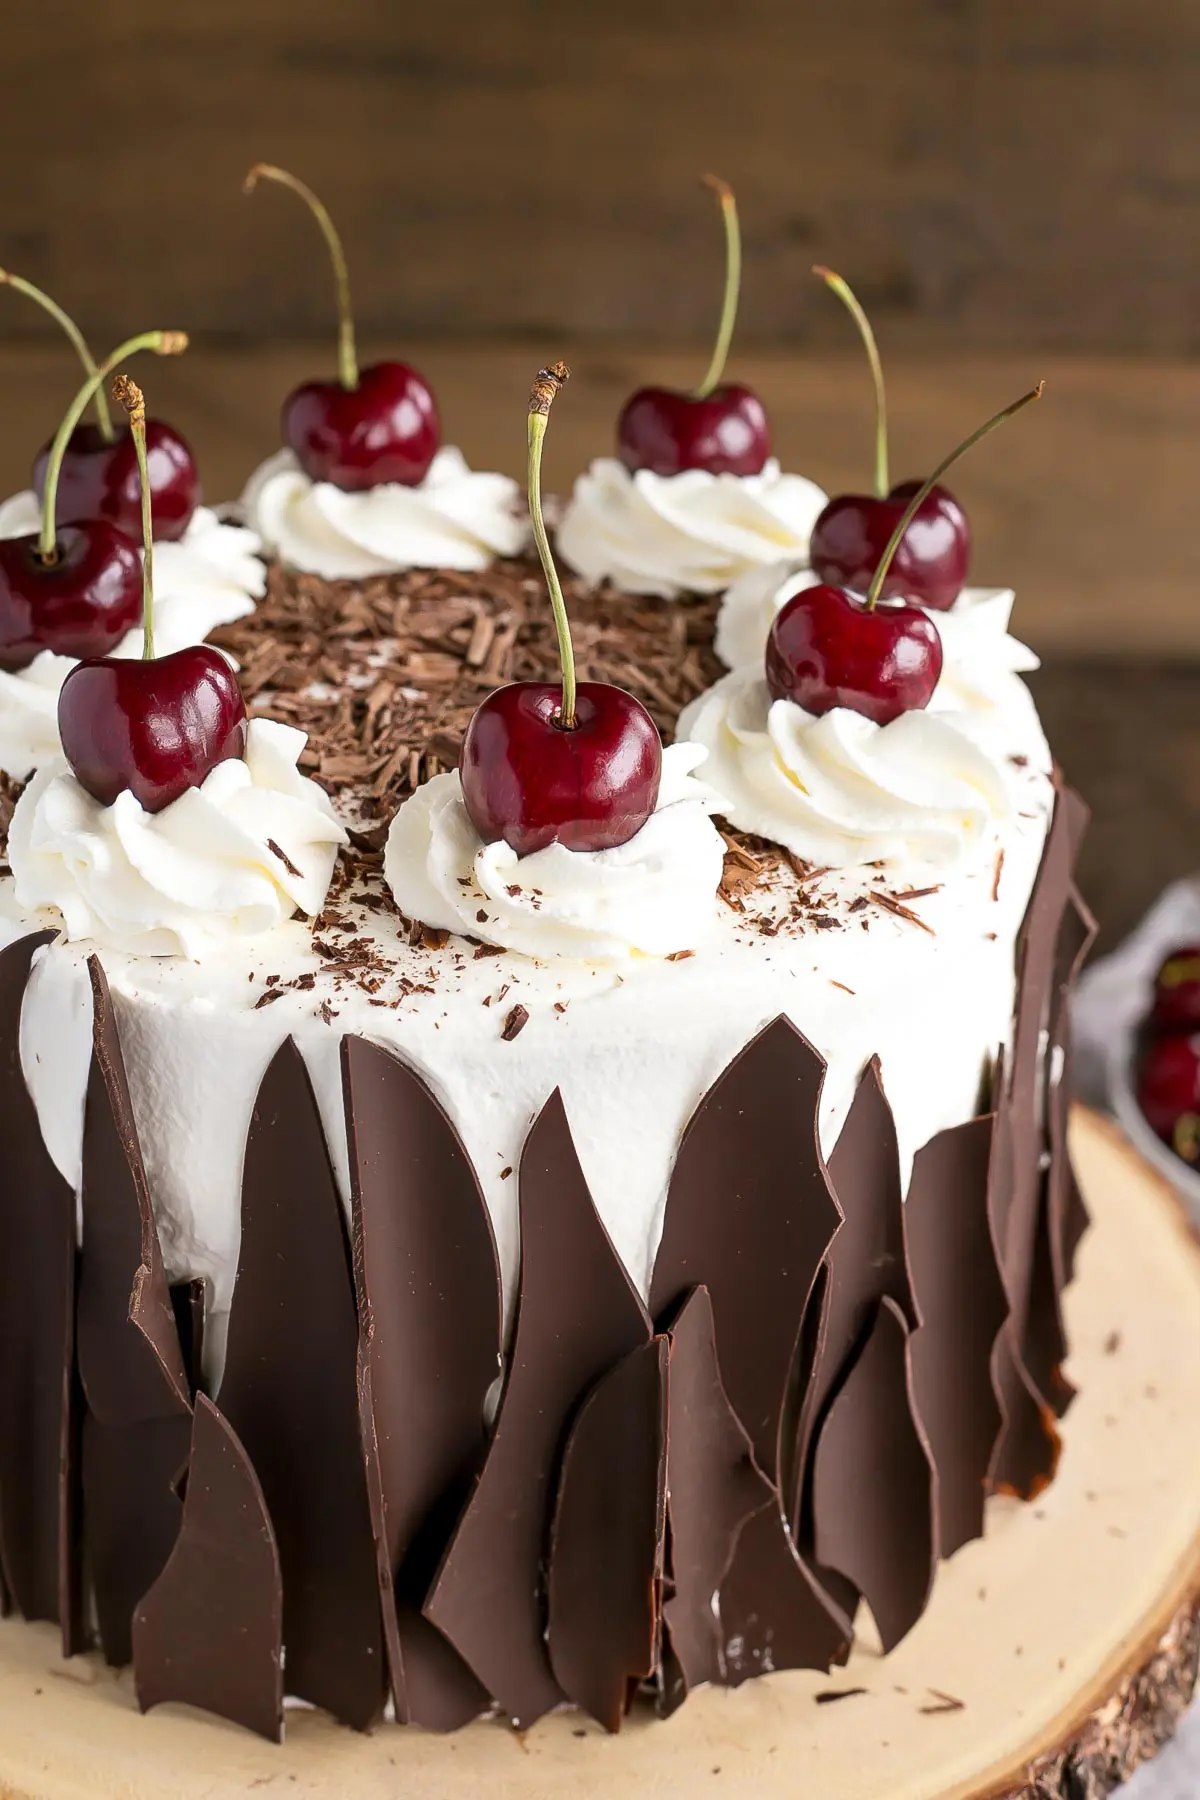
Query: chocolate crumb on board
[
  {"x": 514, "y": 1023},
  {"x": 827, "y": 1696},
  {"x": 942, "y": 1703}
]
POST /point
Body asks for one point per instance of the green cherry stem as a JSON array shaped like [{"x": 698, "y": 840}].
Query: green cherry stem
[
  {"x": 733, "y": 282},
  {"x": 19, "y": 283},
  {"x": 853, "y": 305},
  {"x": 164, "y": 343},
  {"x": 541, "y": 398},
  {"x": 128, "y": 394},
  {"x": 906, "y": 517},
  {"x": 347, "y": 351}
]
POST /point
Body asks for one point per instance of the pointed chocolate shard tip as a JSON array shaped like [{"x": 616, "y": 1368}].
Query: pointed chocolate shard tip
[
  {"x": 714, "y": 1486},
  {"x": 874, "y": 1484},
  {"x": 606, "y": 1543},
  {"x": 39, "y": 1402},
  {"x": 209, "y": 1632},
  {"x": 750, "y": 1173},
  {"x": 577, "y": 1315},
  {"x": 962, "y": 1307},
  {"x": 429, "y": 1299},
  {"x": 773, "y": 1613},
  {"x": 290, "y": 1393}
]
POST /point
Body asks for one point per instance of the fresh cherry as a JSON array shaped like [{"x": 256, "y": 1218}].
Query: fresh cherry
[
  {"x": 720, "y": 428},
  {"x": 1168, "y": 1091},
  {"x": 99, "y": 480},
  {"x": 930, "y": 565},
  {"x": 544, "y": 763},
  {"x": 876, "y": 656},
  {"x": 826, "y": 648},
  {"x": 370, "y": 426},
  {"x": 157, "y": 726},
  {"x": 76, "y": 589},
  {"x": 1177, "y": 992}
]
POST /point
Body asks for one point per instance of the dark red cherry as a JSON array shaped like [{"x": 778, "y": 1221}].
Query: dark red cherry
[
  {"x": 827, "y": 648},
  {"x": 80, "y": 604},
  {"x": 1177, "y": 992},
  {"x": 1168, "y": 1091},
  {"x": 385, "y": 429},
  {"x": 930, "y": 565},
  {"x": 99, "y": 480},
  {"x": 666, "y": 431},
  {"x": 527, "y": 780},
  {"x": 155, "y": 726}
]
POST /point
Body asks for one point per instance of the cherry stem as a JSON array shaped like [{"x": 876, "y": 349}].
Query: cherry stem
[
  {"x": 347, "y": 351},
  {"x": 540, "y": 399},
  {"x": 163, "y": 343},
  {"x": 128, "y": 394},
  {"x": 103, "y": 416},
  {"x": 853, "y": 305},
  {"x": 733, "y": 282},
  {"x": 906, "y": 517}
]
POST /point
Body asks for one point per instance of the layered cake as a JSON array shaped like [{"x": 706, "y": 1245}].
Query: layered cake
[{"x": 516, "y": 1197}]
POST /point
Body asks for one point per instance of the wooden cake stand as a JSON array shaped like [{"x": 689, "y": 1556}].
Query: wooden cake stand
[{"x": 1056, "y": 1654}]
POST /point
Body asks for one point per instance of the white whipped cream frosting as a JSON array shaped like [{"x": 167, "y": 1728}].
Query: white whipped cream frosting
[
  {"x": 227, "y": 861},
  {"x": 839, "y": 789},
  {"x": 457, "y": 518},
  {"x": 652, "y": 896},
  {"x": 982, "y": 663},
  {"x": 692, "y": 533},
  {"x": 210, "y": 576}
]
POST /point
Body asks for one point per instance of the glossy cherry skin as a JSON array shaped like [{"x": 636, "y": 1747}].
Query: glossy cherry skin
[
  {"x": 99, "y": 480},
  {"x": 81, "y": 604},
  {"x": 930, "y": 565},
  {"x": 665, "y": 431},
  {"x": 826, "y": 648},
  {"x": 385, "y": 429},
  {"x": 1168, "y": 1091},
  {"x": 153, "y": 726},
  {"x": 530, "y": 782},
  {"x": 1177, "y": 992}
]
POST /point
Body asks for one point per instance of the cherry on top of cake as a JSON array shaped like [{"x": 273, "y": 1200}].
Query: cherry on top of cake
[
  {"x": 372, "y": 425},
  {"x": 720, "y": 427},
  {"x": 875, "y": 653},
  {"x": 157, "y": 725},
  {"x": 96, "y": 473},
  {"x": 75, "y": 588},
  {"x": 565, "y": 762},
  {"x": 929, "y": 563}
]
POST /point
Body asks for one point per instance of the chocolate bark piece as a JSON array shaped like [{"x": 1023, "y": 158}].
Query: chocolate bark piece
[
  {"x": 429, "y": 1304},
  {"x": 962, "y": 1306},
  {"x": 750, "y": 1215},
  {"x": 577, "y": 1315},
  {"x": 39, "y": 1398},
  {"x": 290, "y": 1394},
  {"x": 773, "y": 1612},
  {"x": 713, "y": 1487},
  {"x": 209, "y": 1632},
  {"x": 137, "y": 1417},
  {"x": 606, "y": 1542},
  {"x": 874, "y": 1483}
]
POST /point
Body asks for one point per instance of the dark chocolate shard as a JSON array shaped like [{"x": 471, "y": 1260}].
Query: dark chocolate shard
[
  {"x": 577, "y": 1315},
  {"x": 773, "y": 1614},
  {"x": 874, "y": 1484},
  {"x": 606, "y": 1542},
  {"x": 750, "y": 1175},
  {"x": 137, "y": 1419},
  {"x": 429, "y": 1303},
  {"x": 290, "y": 1393},
  {"x": 865, "y": 1263},
  {"x": 39, "y": 1402},
  {"x": 962, "y": 1306},
  {"x": 713, "y": 1486},
  {"x": 209, "y": 1632}
]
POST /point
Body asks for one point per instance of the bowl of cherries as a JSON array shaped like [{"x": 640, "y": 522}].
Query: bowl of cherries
[{"x": 1155, "y": 1077}]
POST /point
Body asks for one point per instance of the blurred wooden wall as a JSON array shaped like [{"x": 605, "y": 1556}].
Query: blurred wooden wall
[{"x": 990, "y": 173}]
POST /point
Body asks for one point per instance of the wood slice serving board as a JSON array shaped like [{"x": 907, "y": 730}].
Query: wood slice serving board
[{"x": 1056, "y": 1653}]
